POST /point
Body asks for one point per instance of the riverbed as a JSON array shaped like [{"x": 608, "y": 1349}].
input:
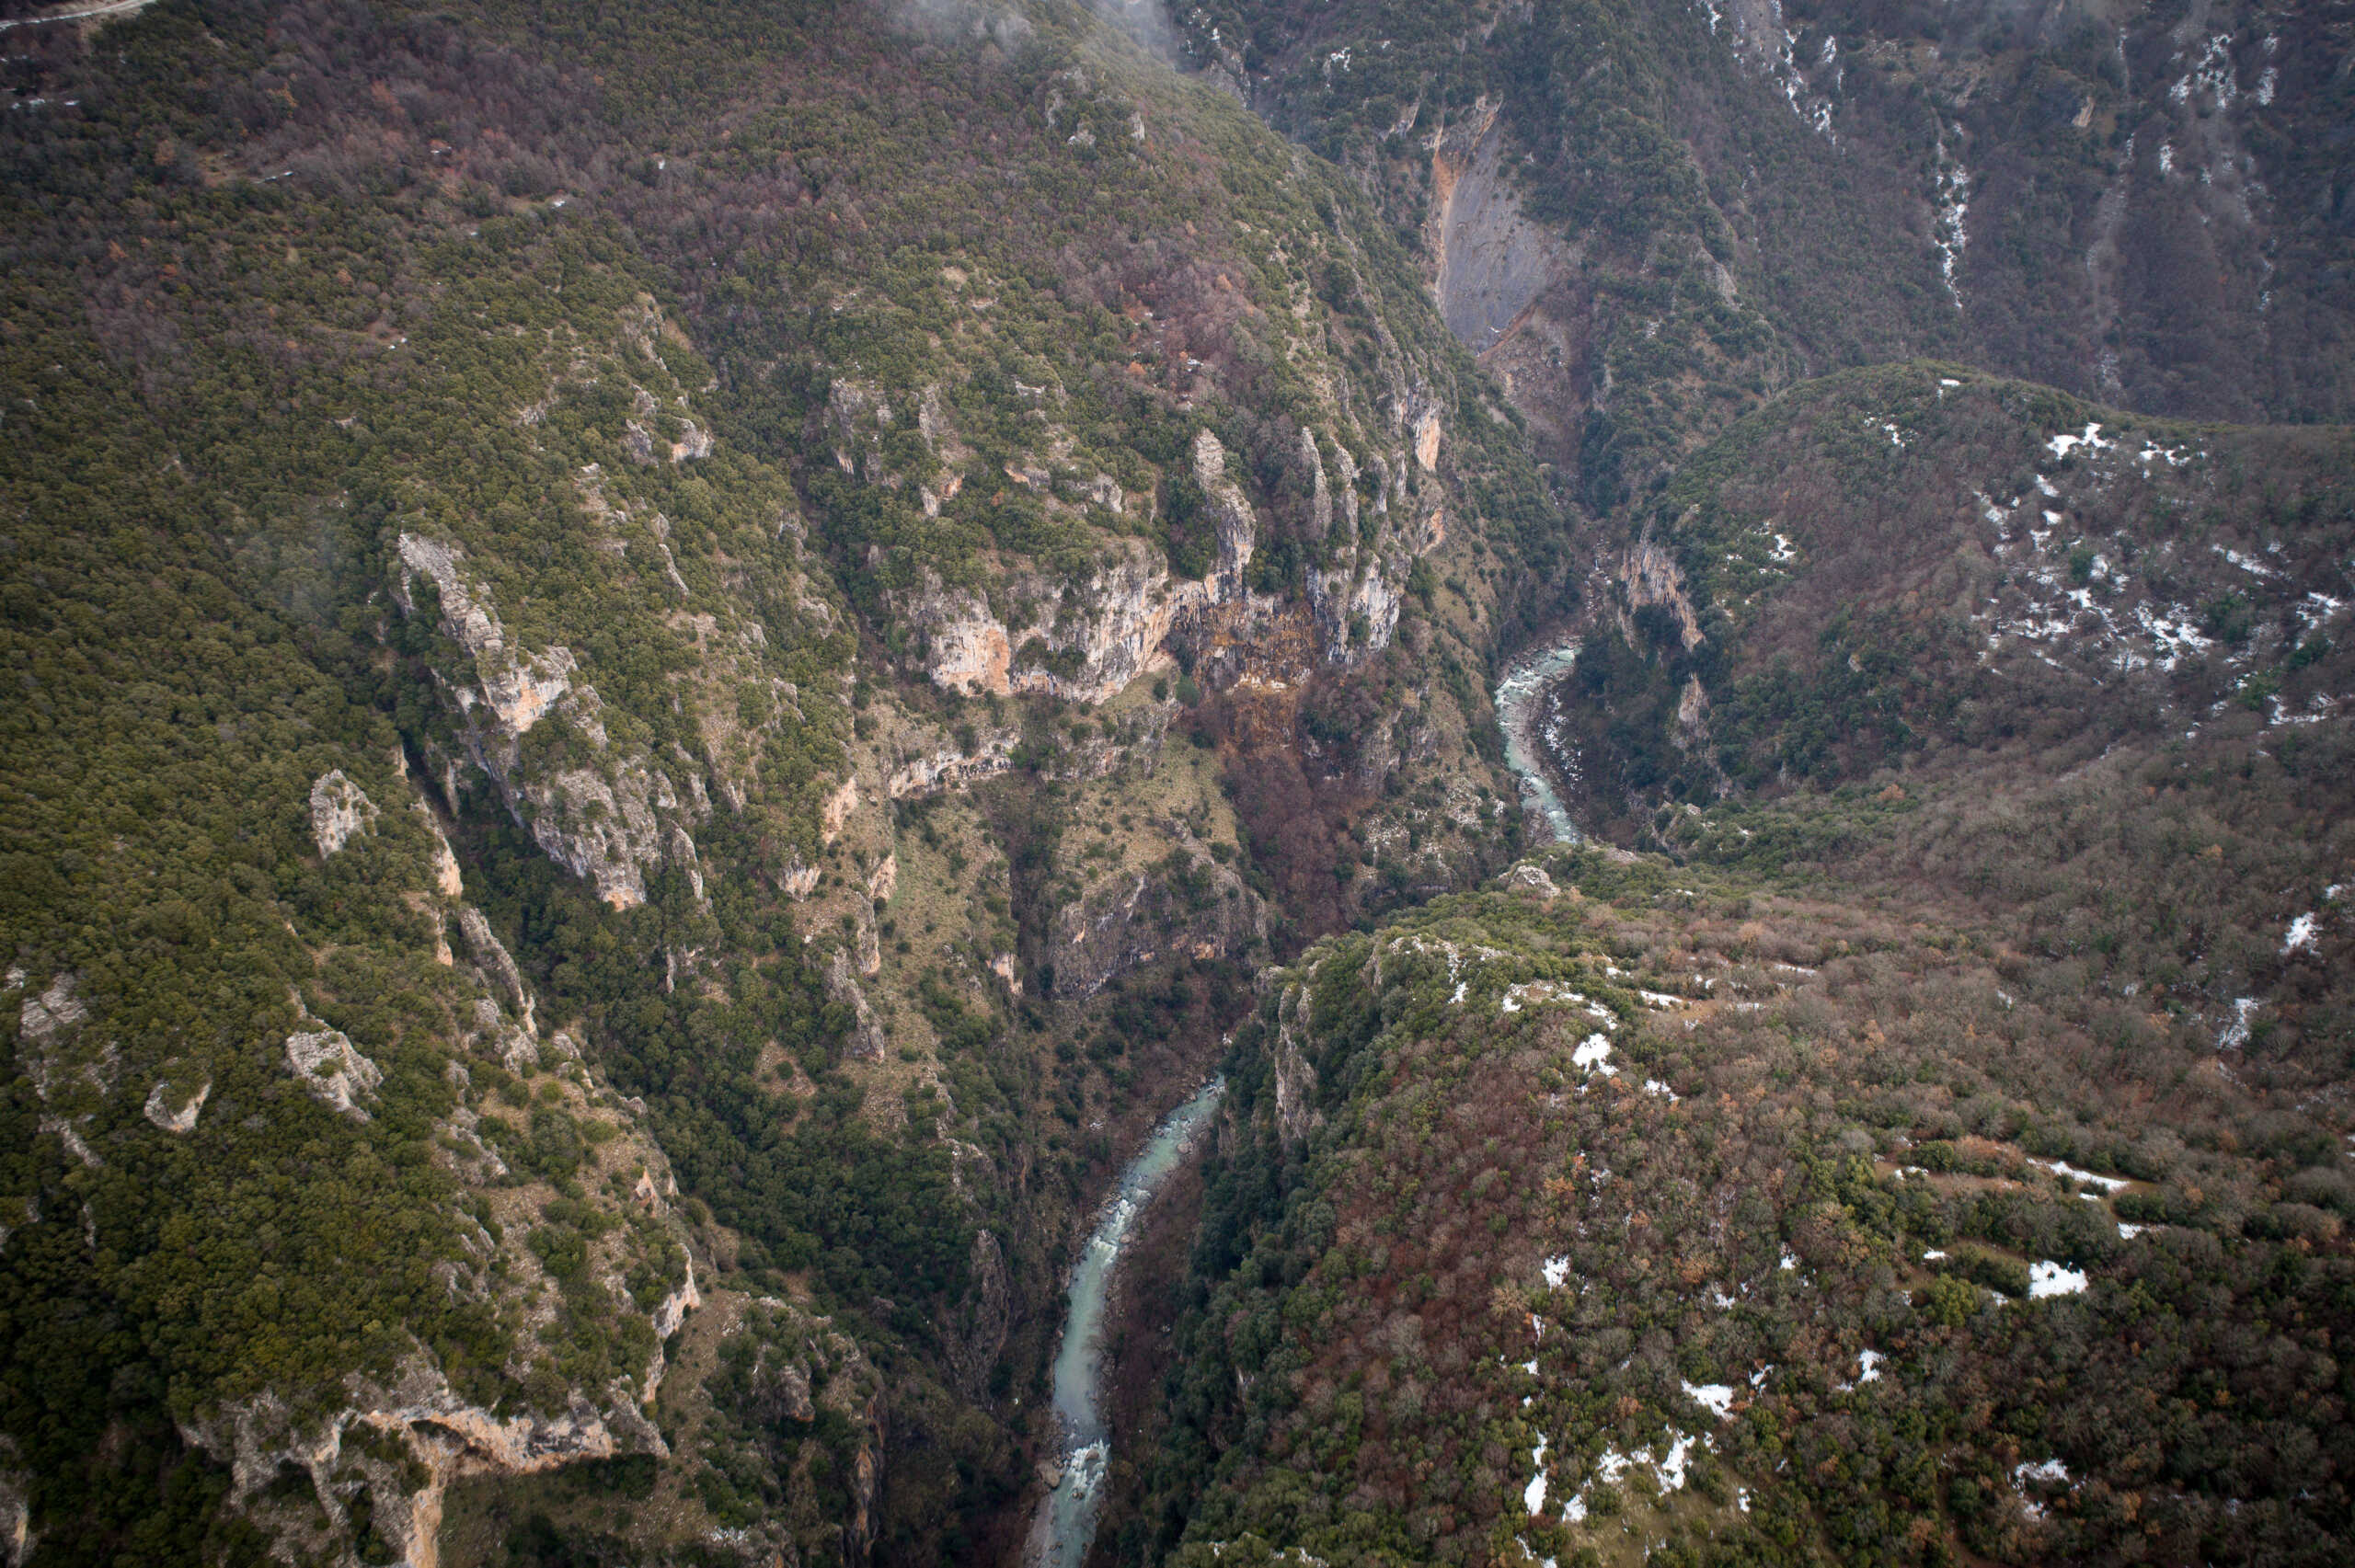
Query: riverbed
[
  {"x": 1065, "y": 1523},
  {"x": 1524, "y": 699}
]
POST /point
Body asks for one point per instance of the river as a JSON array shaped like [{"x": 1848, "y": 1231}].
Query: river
[
  {"x": 1065, "y": 1524},
  {"x": 1525, "y": 706}
]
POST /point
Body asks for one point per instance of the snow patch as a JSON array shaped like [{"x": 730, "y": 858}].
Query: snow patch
[
  {"x": 2062, "y": 445},
  {"x": 2063, "y": 1168},
  {"x": 2049, "y": 1278},
  {"x": 2236, "y": 1033},
  {"x": 1950, "y": 233}
]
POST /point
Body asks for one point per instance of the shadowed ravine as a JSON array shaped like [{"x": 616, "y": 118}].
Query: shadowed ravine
[{"x": 1065, "y": 1524}]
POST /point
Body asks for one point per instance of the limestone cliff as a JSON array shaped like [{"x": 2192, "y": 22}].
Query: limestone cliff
[{"x": 610, "y": 818}]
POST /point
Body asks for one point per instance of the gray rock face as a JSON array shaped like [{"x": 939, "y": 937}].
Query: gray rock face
[
  {"x": 17, "y": 1536},
  {"x": 332, "y": 1068},
  {"x": 785, "y": 1389},
  {"x": 1527, "y": 878},
  {"x": 447, "y": 1437},
  {"x": 974, "y": 1340},
  {"x": 43, "y": 1018},
  {"x": 1088, "y": 640},
  {"x": 492, "y": 954},
  {"x": 608, "y": 822},
  {"x": 867, "y": 1039},
  {"x": 339, "y": 809},
  {"x": 1493, "y": 262},
  {"x": 160, "y": 1108},
  {"x": 671, "y": 1311},
  {"x": 69, "y": 1068},
  {"x": 1086, "y": 643},
  {"x": 1296, "y": 1114},
  {"x": 1237, "y": 529},
  {"x": 1356, "y": 602}
]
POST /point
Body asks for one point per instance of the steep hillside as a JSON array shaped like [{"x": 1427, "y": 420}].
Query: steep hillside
[
  {"x": 2140, "y": 204},
  {"x": 1921, "y": 566},
  {"x": 672, "y": 670},
  {"x": 1638, "y": 1213},
  {"x": 677, "y": 665}
]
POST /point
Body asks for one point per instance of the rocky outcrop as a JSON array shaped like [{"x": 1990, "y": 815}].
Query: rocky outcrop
[
  {"x": 393, "y": 1444},
  {"x": 1508, "y": 289},
  {"x": 327, "y": 1064},
  {"x": 498, "y": 966},
  {"x": 46, "y": 1017},
  {"x": 1086, "y": 641},
  {"x": 977, "y": 1336},
  {"x": 447, "y": 878},
  {"x": 1355, "y": 597},
  {"x": 867, "y": 1039},
  {"x": 17, "y": 1536},
  {"x": 1491, "y": 262},
  {"x": 72, "y": 1068},
  {"x": 339, "y": 809},
  {"x": 923, "y": 773},
  {"x": 1102, "y": 634},
  {"x": 1692, "y": 715},
  {"x": 608, "y": 828},
  {"x": 1649, "y": 575},
  {"x": 1530, "y": 879},
  {"x": 1091, "y": 640},
  {"x": 782, "y": 1389},
  {"x": 1356, "y": 603},
  {"x": 608, "y": 818},
  {"x": 1237, "y": 529},
  {"x": 672, "y": 1309},
  {"x": 441, "y": 1434},
  {"x": 801, "y": 1367},
  {"x": 172, "y": 1112},
  {"x": 1296, "y": 1114}
]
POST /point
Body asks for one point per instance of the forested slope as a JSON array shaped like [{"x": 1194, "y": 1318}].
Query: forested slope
[
  {"x": 1639, "y": 1212},
  {"x": 675, "y": 664},
  {"x": 1931, "y": 1145},
  {"x": 1647, "y": 215},
  {"x": 594, "y": 600}
]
